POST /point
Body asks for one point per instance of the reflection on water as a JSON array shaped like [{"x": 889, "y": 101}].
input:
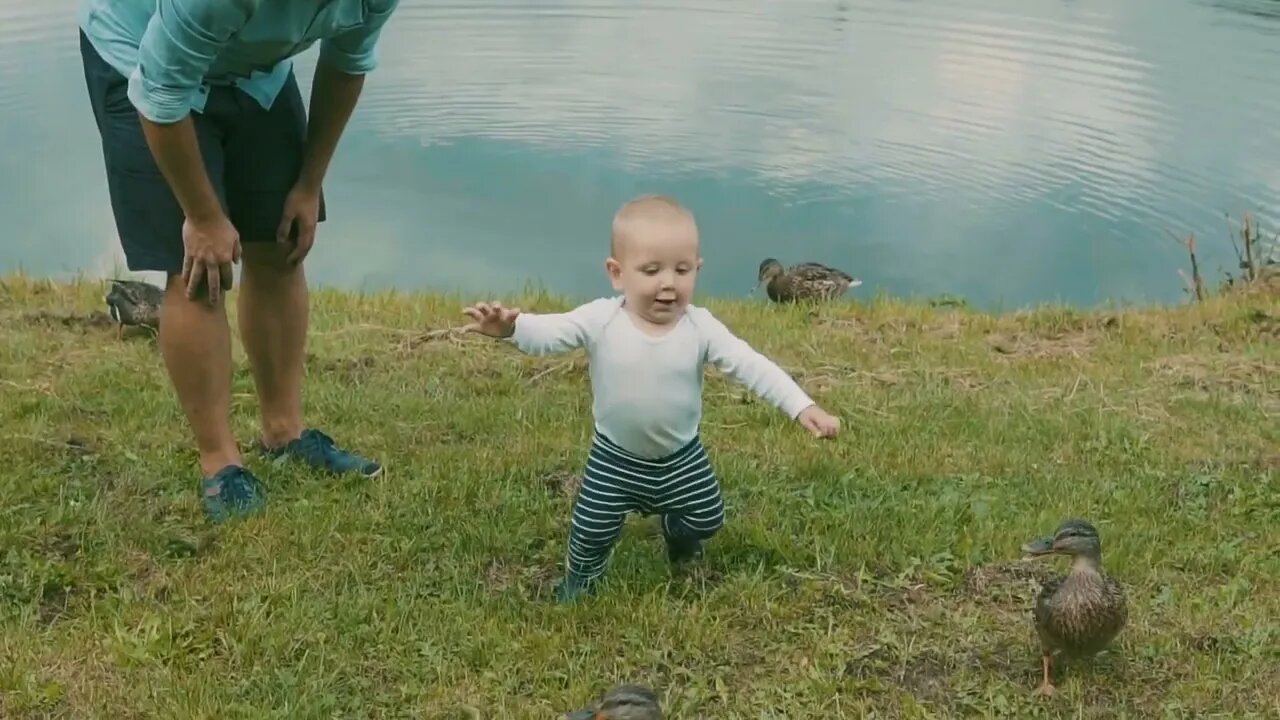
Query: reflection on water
[{"x": 1009, "y": 153}]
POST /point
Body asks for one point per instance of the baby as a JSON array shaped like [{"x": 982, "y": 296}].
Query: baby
[{"x": 646, "y": 350}]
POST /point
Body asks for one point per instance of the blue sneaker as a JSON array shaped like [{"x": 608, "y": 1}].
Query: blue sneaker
[
  {"x": 319, "y": 451},
  {"x": 574, "y": 587},
  {"x": 232, "y": 492}
]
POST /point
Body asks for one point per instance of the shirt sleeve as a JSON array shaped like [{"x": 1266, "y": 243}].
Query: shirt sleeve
[
  {"x": 542, "y": 334},
  {"x": 734, "y": 357},
  {"x": 177, "y": 48},
  {"x": 353, "y": 52}
]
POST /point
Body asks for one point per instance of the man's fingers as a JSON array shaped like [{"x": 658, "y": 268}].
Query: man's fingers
[
  {"x": 215, "y": 284},
  {"x": 194, "y": 276},
  {"x": 186, "y": 268},
  {"x": 306, "y": 238},
  {"x": 225, "y": 276},
  {"x": 282, "y": 230}
]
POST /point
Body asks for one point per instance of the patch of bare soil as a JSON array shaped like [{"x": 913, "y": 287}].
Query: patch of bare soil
[
  {"x": 1006, "y": 583},
  {"x": 348, "y": 369},
  {"x": 451, "y": 336},
  {"x": 824, "y": 377},
  {"x": 1024, "y": 345},
  {"x": 1222, "y": 372},
  {"x": 95, "y": 320},
  {"x": 561, "y": 483},
  {"x": 502, "y": 574}
]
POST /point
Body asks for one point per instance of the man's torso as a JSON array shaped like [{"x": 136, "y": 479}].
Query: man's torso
[{"x": 257, "y": 58}]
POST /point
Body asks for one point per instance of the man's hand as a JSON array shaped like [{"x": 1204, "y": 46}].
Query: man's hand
[
  {"x": 817, "y": 421},
  {"x": 492, "y": 319},
  {"x": 209, "y": 248},
  {"x": 301, "y": 211}
]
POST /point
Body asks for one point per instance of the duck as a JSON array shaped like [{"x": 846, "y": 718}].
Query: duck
[
  {"x": 623, "y": 702},
  {"x": 1080, "y": 613},
  {"x": 803, "y": 281},
  {"x": 133, "y": 302}
]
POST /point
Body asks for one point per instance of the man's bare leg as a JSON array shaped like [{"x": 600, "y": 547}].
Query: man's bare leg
[
  {"x": 274, "y": 313},
  {"x": 195, "y": 342}
]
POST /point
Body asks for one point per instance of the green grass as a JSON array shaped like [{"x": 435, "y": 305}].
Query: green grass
[{"x": 873, "y": 575}]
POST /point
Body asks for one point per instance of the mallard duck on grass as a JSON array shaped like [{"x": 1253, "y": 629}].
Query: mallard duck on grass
[
  {"x": 805, "y": 281},
  {"x": 132, "y": 302},
  {"x": 624, "y": 702},
  {"x": 1077, "y": 614}
]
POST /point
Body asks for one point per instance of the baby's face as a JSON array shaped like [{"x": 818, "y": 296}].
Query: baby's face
[{"x": 655, "y": 268}]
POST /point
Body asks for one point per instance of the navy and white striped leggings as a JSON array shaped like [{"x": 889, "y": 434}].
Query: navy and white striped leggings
[{"x": 680, "y": 487}]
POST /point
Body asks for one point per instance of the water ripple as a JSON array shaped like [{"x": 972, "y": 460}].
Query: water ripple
[{"x": 1089, "y": 117}]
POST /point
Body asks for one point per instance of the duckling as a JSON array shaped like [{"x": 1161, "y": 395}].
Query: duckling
[
  {"x": 1077, "y": 614},
  {"x": 131, "y": 302},
  {"x": 624, "y": 702},
  {"x": 805, "y": 281}
]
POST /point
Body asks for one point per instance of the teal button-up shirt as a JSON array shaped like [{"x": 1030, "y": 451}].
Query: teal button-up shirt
[{"x": 173, "y": 50}]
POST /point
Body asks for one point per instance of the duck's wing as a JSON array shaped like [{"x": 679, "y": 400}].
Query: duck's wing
[
  {"x": 817, "y": 272},
  {"x": 143, "y": 293}
]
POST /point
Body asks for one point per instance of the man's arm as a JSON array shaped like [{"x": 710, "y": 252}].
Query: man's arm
[
  {"x": 177, "y": 48},
  {"x": 339, "y": 77},
  {"x": 734, "y": 357}
]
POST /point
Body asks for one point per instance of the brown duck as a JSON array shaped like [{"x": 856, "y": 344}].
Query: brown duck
[
  {"x": 132, "y": 302},
  {"x": 624, "y": 702},
  {"x": 1077, "y": 614},
  {"x": 804, "y": 281}
]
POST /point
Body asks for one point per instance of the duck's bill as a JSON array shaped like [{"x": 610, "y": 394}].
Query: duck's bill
[
  {"x": 1043, "y": 546},
  {"x": 586, "y": 714}
]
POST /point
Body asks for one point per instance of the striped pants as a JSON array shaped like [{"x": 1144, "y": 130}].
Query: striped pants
[{"x": 680, "y": 487}]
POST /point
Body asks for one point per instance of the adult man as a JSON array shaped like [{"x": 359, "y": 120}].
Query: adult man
[{"x": 211, "y": 160}]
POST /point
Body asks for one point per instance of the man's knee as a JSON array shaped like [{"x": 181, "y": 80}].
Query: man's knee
[
  {"x": 177, "y": 305},
  {"x": 266, "y": 259}
]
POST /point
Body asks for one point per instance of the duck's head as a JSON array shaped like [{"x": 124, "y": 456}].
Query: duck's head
[
  {"x": 624, "y": 702},
  {"x": 769, "y": 269},
  {"x": 1075, "y": 537}
]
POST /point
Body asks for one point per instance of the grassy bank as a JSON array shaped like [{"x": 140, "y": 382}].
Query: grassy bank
[{"x": 878, "y": 572}]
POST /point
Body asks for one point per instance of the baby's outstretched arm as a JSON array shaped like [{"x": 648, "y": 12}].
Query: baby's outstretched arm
[
  {"x": 734, "y": 357},
  {"x": 535, "y": 333},
  {"x": 492, "y": 319}
]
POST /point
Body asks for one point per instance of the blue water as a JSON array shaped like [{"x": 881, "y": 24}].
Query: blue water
[{"x": 1008, "y": 152}]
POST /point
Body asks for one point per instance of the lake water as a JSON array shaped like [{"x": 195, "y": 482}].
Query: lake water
[{"x": 1009, "y": 152}]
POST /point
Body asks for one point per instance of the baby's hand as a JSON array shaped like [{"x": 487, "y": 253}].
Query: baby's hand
[
  {"x": 817, "y": 421},
  {"x": 492, "y": 319}
]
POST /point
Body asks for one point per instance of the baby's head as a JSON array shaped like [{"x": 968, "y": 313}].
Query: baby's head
[{"x": 654, "y": 258}]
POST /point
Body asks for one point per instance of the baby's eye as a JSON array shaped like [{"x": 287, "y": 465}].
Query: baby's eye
[
  {"x": 682, "y": 271},
  {"x": 649, "y": 270}
]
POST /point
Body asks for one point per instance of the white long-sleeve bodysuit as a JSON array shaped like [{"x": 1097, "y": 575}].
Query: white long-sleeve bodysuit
[{"x": 647, "y": 390}]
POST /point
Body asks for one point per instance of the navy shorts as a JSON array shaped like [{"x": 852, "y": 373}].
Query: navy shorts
[{"x": 253, "y": 157}]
